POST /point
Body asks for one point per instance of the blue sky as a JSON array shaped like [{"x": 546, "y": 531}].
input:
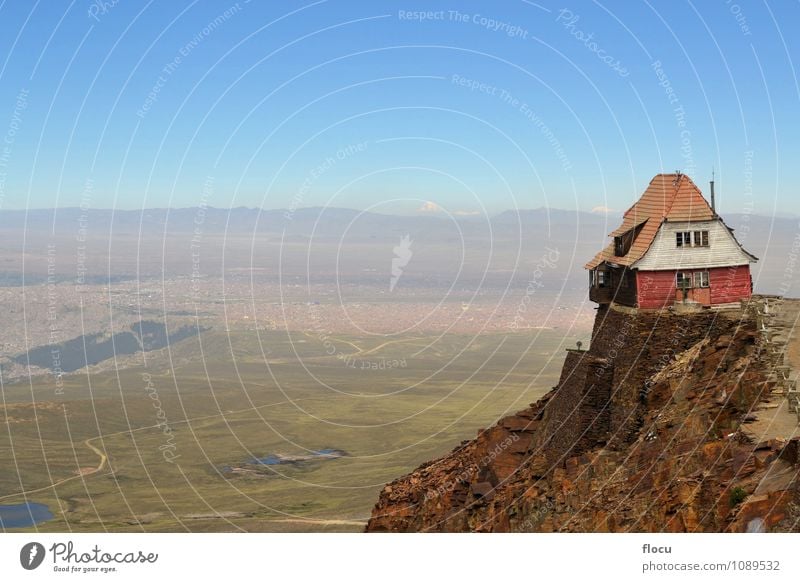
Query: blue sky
[{"x": 472, "y": 106}]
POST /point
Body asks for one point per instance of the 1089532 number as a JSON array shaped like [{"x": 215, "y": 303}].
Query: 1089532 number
[{"x": 756, "y": 565}]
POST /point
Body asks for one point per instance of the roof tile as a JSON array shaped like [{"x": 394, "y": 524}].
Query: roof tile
[{"x": 668, "y": 197}]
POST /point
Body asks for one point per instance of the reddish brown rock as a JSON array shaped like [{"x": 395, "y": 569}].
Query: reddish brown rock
[{"x": 640, "y": 434}]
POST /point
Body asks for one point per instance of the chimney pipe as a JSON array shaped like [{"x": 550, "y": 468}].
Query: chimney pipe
[{"x": 713, "y": 200}]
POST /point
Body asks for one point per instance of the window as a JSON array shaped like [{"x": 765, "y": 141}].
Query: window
[
  {"x": 598, "y": 278},
  {"x": 623, "y": 242},
  {"x": 701, "y": 279},
  {"x": 701, "y": 238},
  {"x": 619, "y": 247},
  {"x": 687, "y": 238},
  {"x": 603, "y": 279},
  {"x": 683, "y": 280}
]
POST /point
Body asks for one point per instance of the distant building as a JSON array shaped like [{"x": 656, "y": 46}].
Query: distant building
[{"x": 671, "y": 247}]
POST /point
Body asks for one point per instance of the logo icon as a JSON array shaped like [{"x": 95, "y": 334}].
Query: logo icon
[
  {"x": 402, "y": 254},
  {"x": 31, "y": 555}
]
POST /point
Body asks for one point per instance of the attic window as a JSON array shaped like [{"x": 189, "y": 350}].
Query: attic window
[
  {"x": 697, "y": 238},
  {"x": 624, "y": 242}
]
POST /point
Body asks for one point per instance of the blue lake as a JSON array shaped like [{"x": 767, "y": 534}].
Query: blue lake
[
  {"x": 268, "y": 460},
  {"x": 23, "y": 515},
  {"x": 287, "y": 459}
]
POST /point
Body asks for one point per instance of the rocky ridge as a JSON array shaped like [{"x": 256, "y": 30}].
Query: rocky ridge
[{"x": 645, "y": 431}]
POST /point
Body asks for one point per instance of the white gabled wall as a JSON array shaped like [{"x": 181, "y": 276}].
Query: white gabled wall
[{"x": 663, "y": 254}]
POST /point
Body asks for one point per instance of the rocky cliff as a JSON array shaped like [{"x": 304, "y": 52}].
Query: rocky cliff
[{"x": 645, "y": 431}]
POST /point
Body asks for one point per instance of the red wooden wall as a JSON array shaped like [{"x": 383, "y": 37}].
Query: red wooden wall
[
  {"x": 730, "y": 284},
  {"x": 657, "y": 289}
]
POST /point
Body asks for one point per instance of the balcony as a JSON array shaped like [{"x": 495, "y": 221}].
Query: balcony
[{"x": 601, "y": 294}]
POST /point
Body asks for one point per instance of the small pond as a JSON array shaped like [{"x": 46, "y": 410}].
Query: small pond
[
  {"x": 23, "y": 515},
  {"x": 319, "y": 455}
]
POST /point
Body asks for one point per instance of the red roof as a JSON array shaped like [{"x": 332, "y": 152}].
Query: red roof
[{"x": 668, "y": 197}]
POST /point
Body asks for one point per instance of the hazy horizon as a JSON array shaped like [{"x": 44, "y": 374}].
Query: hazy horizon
[{"x": 417, "y": 213}]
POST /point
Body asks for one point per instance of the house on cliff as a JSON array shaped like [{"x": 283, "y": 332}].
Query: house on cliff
[{"x": 671, "y": 247}]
